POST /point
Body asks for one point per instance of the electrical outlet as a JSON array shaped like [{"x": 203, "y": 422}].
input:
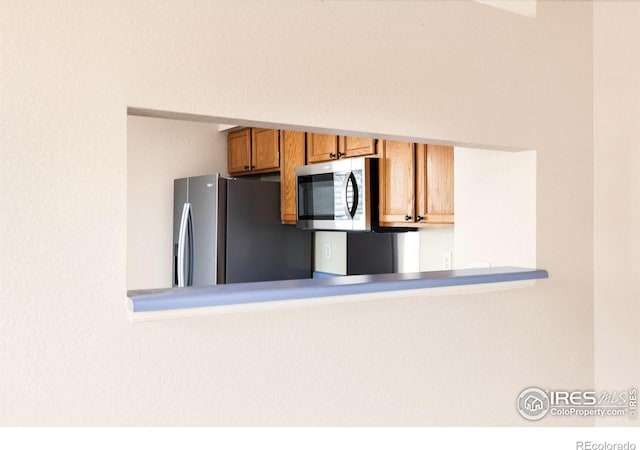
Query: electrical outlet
[{"x": 446, "y": 261}]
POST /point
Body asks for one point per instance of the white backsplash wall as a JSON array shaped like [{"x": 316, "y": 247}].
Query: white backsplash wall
[
  {"x": 158, "y": 151},
  {"x": 330, "y": 252},
  {"x": 417, "y": 251},
  {"x": 433, "y": 243}
]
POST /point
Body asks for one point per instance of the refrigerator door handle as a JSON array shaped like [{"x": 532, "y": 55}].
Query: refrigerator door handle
[
  {"x": 182, "y": 237},
  {"x": 190, "y": 233}
]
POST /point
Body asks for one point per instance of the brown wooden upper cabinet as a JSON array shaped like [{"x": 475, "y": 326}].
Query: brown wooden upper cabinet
[
  {"x": 292, "y": 150},
  {"x": 355, "y": 146},
  {"x": 321, "y": 147},
  {"x": 253, "y": 150},
  {"x": 326, "y": 147},
  {"x": 434, "y": 183},
  {"x": 397, "y": 182},
  {"x": 265, "y": 149},
  {"x": 416, "y": 184},
  {"x": 239, "y": 151}
]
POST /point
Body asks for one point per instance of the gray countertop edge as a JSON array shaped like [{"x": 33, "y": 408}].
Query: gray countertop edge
[{"x": 266, "y": 291}]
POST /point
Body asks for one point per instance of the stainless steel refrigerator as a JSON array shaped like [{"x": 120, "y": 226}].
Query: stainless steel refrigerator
[{"x": 229, "y": 231}]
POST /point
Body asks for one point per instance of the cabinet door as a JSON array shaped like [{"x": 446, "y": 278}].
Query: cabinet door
[
  {"x": 321, "y": 147},
  {"x": 434, "y": 184},
  {"x": 397, "y": 182},
  {"x": 356, "y": 146},
  {"x": 292, "y": 153},
  {"x": 265, "y": 153},
  {"x": 239, "y": 151}
]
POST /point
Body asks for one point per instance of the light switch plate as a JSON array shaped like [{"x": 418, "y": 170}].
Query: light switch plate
[
  {"x": 327, "y": 251},
  {"x": 446, "y": 261}
]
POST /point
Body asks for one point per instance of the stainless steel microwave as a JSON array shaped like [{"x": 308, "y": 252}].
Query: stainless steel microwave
[{"x": 336, "y": 195}]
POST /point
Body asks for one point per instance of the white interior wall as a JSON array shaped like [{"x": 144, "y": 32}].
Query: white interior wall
[
  {"x": 69, "y": 70},
  {"x": 617, "y": 197},
  {"x": 433, "y": 242},
  {"x": 495, "y": 206},
  {"x": 158, "y": 151}
]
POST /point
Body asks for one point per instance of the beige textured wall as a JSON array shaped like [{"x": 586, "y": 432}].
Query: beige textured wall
[
  {"x": 158, "y": 151},
  {"x": 457, "y": 71},
  {"x": 617, "y": 197}
]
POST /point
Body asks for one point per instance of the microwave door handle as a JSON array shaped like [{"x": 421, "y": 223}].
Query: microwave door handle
[
  {"x": 354, "y": 206},
  {"x": 350, "y": 211},
  {"x": 345, "y": 186},
  {"x": 182, "y": 236}
]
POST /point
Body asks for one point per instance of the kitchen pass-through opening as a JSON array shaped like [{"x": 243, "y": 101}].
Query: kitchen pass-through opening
[{"x": 494, "y": 198}]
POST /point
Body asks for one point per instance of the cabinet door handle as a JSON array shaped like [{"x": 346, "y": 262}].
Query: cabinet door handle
[
  {"x": 340, "y": 154},
  {"x": 407, "y": 217},
  {"x": 332, "y": 155},
  {"x": 419, "y": 218},
  {"x": 247, "y": 168}
]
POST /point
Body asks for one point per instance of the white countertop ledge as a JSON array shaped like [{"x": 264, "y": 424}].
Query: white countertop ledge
[{"x": 152, "y": 304}]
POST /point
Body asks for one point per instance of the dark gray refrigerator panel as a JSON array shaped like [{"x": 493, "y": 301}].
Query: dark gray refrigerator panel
[
  {"x": 258, "y": 246},
  {"x": 372, "y": 253}
]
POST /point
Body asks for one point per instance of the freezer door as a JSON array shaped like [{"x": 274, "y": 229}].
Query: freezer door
[
  {"x": 203, "y": 197},
  {"x": 258, "y": 246}
]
